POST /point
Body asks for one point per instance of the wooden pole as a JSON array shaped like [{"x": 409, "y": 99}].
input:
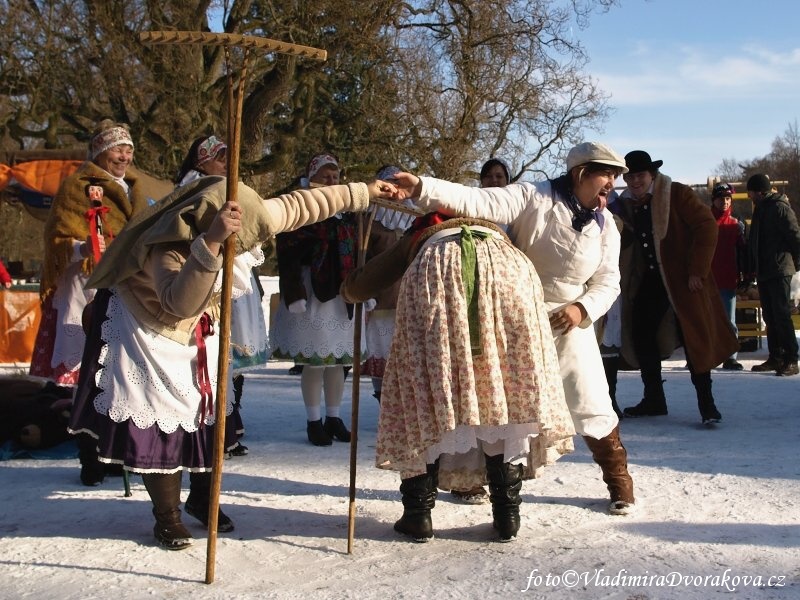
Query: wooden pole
[
  {"x": 363, "y": 242},
  {"x": 235, "y": 101}
]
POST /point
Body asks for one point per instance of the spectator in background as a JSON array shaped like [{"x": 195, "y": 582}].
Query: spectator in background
[
  {"x": 774, "y": 257},
  {"x": 68, "y": 256},
  {"x": 313, "y": 324},
  {"x": 69, "y": 260},
  {"x": 727, "y": 257},
  {"x": 668, "y": 296},
  {"x": 495, "y": 173}
]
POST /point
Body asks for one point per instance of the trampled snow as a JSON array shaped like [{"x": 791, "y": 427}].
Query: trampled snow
[{"x": 718, "y": 514}]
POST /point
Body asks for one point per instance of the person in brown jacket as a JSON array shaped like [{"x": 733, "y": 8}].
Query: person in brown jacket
[
  {"x": 68, "y": 256},
  {"x": 388, "y": 226},
  {"x": 669, "y": 297}
]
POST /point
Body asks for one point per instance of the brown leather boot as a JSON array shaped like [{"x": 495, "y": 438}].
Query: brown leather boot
[
  {"x": 610, "y": 454},
  {"x": 165, "y": 492}
]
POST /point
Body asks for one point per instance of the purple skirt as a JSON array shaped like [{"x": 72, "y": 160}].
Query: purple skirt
[{"x": 147, "y": 450}]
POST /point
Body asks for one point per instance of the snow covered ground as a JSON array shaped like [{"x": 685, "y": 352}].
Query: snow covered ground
[{"x": 718, "y": 515}]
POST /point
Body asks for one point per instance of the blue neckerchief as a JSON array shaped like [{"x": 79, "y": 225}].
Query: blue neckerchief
[{"x": 582, "y": 215}]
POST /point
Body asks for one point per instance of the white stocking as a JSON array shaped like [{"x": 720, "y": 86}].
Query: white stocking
[
  {"x": 334, "y": 389},
  {"x": 311, "y": 386}
]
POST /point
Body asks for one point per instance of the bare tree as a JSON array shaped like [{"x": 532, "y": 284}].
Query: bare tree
[
  {"x": 435, "y": 85},
  {"x": 488, "y": 77},
  {"x": 782, "y": 163}
]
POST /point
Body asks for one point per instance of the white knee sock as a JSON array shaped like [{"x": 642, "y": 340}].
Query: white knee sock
[
  {"x": 311, "y": 386},
  {"x": 334, "y": 390}
]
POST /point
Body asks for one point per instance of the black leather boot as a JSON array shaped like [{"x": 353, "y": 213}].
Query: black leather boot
[
  {"x": 705, "y": 399},
  {"x": 419, "y": 498},
  {"x": 654, "y": 403},
  {"x": 612, "y": 457},
  {"x": 92, "y": 470},
  {"x": 197, "y": 502},
  {"x": 505, "y": 483},
  {"x": 165, "y": 493}
]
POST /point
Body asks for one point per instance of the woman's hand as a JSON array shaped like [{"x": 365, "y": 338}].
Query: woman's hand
[
  {"x": 381, "y": 189},
  {"x": 408, "y": 186},
  {"x": 568, "y": 318},
  {"x": 228, "y": 221},
  {"x": 86, "y": 247}
]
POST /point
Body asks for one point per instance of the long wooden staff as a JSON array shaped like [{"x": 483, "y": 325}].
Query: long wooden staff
[
  {"x": 362, "y": 243},
  {"x": 235, "y": 101}
]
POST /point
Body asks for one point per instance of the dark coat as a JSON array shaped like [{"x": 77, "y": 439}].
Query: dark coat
[
  {"x": 685, "y": 235},
  {"x": 774, "y": 242}
]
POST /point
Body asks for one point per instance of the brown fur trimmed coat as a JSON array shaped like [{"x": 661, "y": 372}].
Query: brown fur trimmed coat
[
  {"x": 685, "y": 234},
  {"x": 66, "y": 221}
]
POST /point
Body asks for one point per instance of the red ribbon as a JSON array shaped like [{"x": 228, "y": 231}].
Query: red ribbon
[
  {"x": 97, "y": 221},
  {"x": 204, "y": 328}
]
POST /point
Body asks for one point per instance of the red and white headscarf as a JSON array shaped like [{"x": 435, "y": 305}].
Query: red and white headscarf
[
  {"x": 319, "y": 161},
  {"x": 115, "y": 136},
  {"x": 209, "y": 149}
]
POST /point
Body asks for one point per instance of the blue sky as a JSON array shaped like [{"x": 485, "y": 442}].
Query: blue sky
[{"x": 696, "y": 81}]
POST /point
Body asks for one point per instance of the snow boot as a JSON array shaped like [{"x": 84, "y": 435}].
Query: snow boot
[
  {"x": 505, "y": 483},
  {"x": 238, "y": 390},
  {"x": 705, "y": 399},
  {"x": 165, "y": 493},
  {"x": 610, "y": 454},
  {"x": 419, "y": 498},
  {"x": 197, "y": 502},
  {"x": 654, "y": 403}
]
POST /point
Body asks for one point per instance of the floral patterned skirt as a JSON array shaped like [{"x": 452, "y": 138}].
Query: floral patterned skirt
[{"x": 443, "y": 401}]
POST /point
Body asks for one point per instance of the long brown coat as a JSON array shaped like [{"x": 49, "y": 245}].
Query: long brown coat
[{"x": 685, "y": 234}]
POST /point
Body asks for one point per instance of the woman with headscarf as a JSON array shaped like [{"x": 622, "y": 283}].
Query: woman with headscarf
[
  {"x": 313, "y": 325},
  {"x": 249, "y": 343},
  {"x": 70, "y": 246},
  {"x": 68, "y": 255},
  {"x": 146, "y": 390}
]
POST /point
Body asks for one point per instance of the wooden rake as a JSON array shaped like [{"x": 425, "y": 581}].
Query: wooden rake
[{"x": 235, "y": 101}]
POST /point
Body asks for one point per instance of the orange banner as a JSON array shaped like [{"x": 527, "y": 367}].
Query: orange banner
[
  {"x": 19, "y": 322},
  {"x": 43, "y": 176}
]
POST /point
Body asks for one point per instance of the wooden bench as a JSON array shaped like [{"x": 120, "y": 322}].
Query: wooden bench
[{"x": 752, "y": 327}]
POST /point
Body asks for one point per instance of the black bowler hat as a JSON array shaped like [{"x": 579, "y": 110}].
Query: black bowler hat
[{"x": 639, "y": 160}]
